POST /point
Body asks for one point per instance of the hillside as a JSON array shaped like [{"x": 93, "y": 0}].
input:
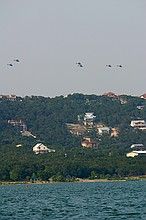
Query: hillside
[{"x": 58, "y": 123}]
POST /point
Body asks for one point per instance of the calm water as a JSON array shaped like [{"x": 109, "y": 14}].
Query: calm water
[{"x": 114, "y": 200}]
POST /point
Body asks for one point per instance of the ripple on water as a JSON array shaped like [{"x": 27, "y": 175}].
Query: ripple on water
[{"x": 116, "y": 200}]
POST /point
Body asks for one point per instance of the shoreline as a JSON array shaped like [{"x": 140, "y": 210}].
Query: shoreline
[{"x": 77, "y": 180}]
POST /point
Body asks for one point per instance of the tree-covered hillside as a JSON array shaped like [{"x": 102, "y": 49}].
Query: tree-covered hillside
[{"x": 47, "y": 119}]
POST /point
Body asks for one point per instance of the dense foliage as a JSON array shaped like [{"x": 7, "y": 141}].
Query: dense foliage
[{"x": 47, "y": 119}]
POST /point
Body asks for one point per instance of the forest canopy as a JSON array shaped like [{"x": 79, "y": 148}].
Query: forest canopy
[{"x": 46, "y": 120}]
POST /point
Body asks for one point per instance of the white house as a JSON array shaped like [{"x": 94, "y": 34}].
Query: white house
[
  {"x": 136, "y": 146},
  {"x": 143, "y": 96},
  {"x": 89, "y": 119},
  {"x": 140, "y": 107},
  {"x": 103, "y": 130},
  {"x": 140, "y": 151},
  {"x": 140, "y": 124},
  {"x": 131, "y": 154},
  {"x": 18, "y": 145},
  {"x": 136, "y": 153},
  {"x": 41, "y": 148}
]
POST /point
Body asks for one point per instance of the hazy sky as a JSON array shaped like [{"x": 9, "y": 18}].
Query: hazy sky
[{"x": 50, "y": 36}]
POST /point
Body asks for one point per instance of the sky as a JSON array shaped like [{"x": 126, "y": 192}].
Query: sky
[{"x": 50, "y": 36}]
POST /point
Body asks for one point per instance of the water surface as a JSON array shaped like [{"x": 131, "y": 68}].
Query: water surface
[{"x": 74, "y": 201}]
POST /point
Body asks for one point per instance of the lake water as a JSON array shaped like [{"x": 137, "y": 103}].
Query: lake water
[{"x": 74, "y": 201}]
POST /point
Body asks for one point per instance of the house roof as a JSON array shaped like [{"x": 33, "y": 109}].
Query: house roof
[
  {"x": 136, "y": 145},
  {"x": 89, "y": 142},
  {"x": 37, "y": 145},
  {"x": 110, "y": 94},
  {"x": 132, "y": 154},
  {"x": 136, "y": 122},
  {"x": 143, "y": 96},
  {"x": 41, "y": 147},
  {"x": 140, "y": 151},
  {"x": 104, "y": 129},
  {"x": 89, "y": 115},
  {"x": 135, "y": 153}
]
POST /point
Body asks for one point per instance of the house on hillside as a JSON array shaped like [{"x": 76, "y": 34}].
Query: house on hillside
[
  {"x": 89, "y": 143},
  {"x": 11, "y": 97},
  {"x": 143, "y": 96},
  {"x": 41, "y": 148},
  {"x": 8, "y": 97},
  {"x": 19, "y": 125},
  {"x": 89, "y": 119},
  {"x": 137, "y": 146},
  {"x": 139, "y": 149},
  {"x": 114, "y": 132},
  {"x": 131, "y": 154},
  {"x": 136, "y": 153},
  {"x": 103, "y": 130},
  {"x": 18, "y": 145},
  {"x": 140, "y": 107},
  {"x": 122, "y": 100},
  {"x": 139, "y": 124},
  {"x": 110, "y": 94}
]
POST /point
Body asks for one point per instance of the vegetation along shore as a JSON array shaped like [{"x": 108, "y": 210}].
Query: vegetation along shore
[{"x": 132, "y": 178}]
